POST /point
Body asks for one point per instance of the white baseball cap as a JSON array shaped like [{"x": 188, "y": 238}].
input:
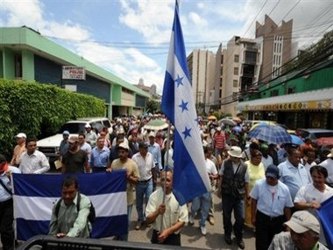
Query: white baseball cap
[
  {"x": 21, "y": 135},
  {"x": 302, "y": 221},
  {"x": 123, "y": 145}
]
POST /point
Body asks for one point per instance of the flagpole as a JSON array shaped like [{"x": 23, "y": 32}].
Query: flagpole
[{"x": 164, "y": 169}]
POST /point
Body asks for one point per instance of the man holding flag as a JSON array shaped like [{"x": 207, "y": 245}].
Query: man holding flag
[{"x": 190, "y": 178}]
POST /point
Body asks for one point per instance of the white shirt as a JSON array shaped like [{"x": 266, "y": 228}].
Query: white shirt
[
  {"x": 36, "y": 163},
  {"x": 271, "y": 200},
  {"x": 210, "y": 167},
  {"x": 309, "y": 193},
  {"x": 328, "y": 164},
  {"x": 173, "y": 211},
  {"x": 145, "y": 165}
]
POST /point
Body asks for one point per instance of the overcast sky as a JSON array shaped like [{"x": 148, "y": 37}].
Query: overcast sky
[{"x": 130, "y": 38}]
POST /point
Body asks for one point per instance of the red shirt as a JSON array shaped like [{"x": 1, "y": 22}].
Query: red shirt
[{"x": 219, "y": 140}]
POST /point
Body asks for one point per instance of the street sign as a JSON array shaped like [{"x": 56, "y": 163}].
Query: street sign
[{"x": 73, "y": 73}]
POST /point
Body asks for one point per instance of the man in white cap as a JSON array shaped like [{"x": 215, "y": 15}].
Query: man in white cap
[
  {"x": 19, "y": 149},
  {"x": 132, "y": 170},
  {"x": 234, "y": 188},
  {"x": 90, "y": 134},
  {"x": 303, "y": 234}
]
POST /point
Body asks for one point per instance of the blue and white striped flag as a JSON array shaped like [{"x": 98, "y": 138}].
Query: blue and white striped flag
[
  {"x": 190, "y": 176},
  {"x": 35, "y": 195}
]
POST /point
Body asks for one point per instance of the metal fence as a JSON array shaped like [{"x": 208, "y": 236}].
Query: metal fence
[{"x": 52, "y": 243}]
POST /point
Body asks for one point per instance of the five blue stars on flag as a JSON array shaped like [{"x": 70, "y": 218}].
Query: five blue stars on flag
[{"x": 183, "y": 106}]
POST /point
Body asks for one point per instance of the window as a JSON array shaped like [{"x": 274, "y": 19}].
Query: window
[
  {"x": 236, "y": 71},
  {"x": 18, "y": 66},
  {"x": 235, "y": 83},
  {"x": 236, "y": 58}
]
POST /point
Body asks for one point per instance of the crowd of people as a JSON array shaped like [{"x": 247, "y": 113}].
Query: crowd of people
[{"x": 270, "y": 189}]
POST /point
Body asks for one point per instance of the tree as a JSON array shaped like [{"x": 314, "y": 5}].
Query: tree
[{"x": 152, "y": 106}]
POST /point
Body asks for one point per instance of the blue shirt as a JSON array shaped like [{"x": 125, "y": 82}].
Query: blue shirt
[
  {"x": 293, "y": 177},
  {"x": 271, "y": 200},
  {"x": 155, "y": 150},
  {"x": 99, "y": 157},
  {"x": 4, "y": 195}
]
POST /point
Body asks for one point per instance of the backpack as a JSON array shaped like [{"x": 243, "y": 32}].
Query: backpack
[{"x": 92, "y": 213}]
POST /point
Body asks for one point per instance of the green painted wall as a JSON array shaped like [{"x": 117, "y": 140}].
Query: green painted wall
[
  {"x": 28, "y": 65},
  {"x": 8, "y": 64},
  {"x": 116, "y": 95}
]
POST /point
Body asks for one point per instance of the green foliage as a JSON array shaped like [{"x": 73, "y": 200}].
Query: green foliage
[
  {"x": 37, "y": 109},
  {"x": 152, "y": 106}
]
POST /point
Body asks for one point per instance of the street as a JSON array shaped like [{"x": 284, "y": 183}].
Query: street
[{"x": 191, "y": 235}]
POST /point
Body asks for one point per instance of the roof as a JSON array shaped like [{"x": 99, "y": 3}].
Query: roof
[{"x": 26, "y": 38}]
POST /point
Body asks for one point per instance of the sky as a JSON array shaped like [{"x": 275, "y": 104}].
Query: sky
[{"x": 130, "y": 38}]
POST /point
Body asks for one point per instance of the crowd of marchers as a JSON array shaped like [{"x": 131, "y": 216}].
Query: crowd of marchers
[{"x": 273, "y": 190}]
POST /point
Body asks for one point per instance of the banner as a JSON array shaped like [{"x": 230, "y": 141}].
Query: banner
[{"x": 35, "y": 195}]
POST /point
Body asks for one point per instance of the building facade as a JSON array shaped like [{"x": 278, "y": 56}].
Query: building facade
[
  {"x": 303, "y": 98},
  {"x": 240, "y": 69},
  {"x": 26, "y": 55},
  {"x": 277, "y": 47},
  {"x": 201, "y": 64}
]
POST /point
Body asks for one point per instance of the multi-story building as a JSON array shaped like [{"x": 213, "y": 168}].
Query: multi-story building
[
  {"x": 201, "y": 65},
  {"x": 277, "y": 47},
  {"x": 240, "y": 69},
  {"x": 27, "y": 55},
  {"x": 151, "y": 90}
]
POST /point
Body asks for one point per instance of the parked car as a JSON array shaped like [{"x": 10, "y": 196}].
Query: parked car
[
  {"x": 322, "y": 137},
  {"x": 314, "y": 133},
  {"x": 50, "y": 145}
]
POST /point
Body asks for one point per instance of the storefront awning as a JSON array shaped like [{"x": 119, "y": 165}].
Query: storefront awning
[{"x": 310, "y": 100}]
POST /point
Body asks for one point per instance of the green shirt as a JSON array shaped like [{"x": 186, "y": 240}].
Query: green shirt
[{"x": 71, "y": 222}]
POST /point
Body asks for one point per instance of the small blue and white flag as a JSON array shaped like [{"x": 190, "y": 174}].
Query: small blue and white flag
[
  {"x": 35, "y": 195},
  {"x": 190, "y": 176}
]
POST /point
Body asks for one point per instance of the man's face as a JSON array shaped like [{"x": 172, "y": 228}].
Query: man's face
[
  {"x": 318, "y": 179},
  {"x": 65, "y": 136},
  {"x": 81, "y": 139},
  {"x": 234, "y": 159},
  {"x": 151, "y": 139},
  {"x": 295, "y": 158},
  {"x": 102, "y": 134},
  {"x": 123, "y": 154},
  {"x": 72, "y": 145},
  {"x": 100, "y": 143},
  {"x": 20, "y": 140},
  {"x": 31, "y": 147},
  {"x": 303, "y": 241},
  {"x": 311, "y": 157},
  {"x": 143, "y": 151},
  {"x": 167, "y": 178},
  {"x": 68, "y": 194},
  {"x": 271, "y": 180}
]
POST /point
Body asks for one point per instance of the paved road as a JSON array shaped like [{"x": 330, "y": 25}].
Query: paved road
[{"x": 191, "y": 235}]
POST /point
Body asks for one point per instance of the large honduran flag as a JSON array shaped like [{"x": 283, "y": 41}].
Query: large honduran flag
[
  {"x": 190, "y": 177},
  {"x": 35, "y": 195}
]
